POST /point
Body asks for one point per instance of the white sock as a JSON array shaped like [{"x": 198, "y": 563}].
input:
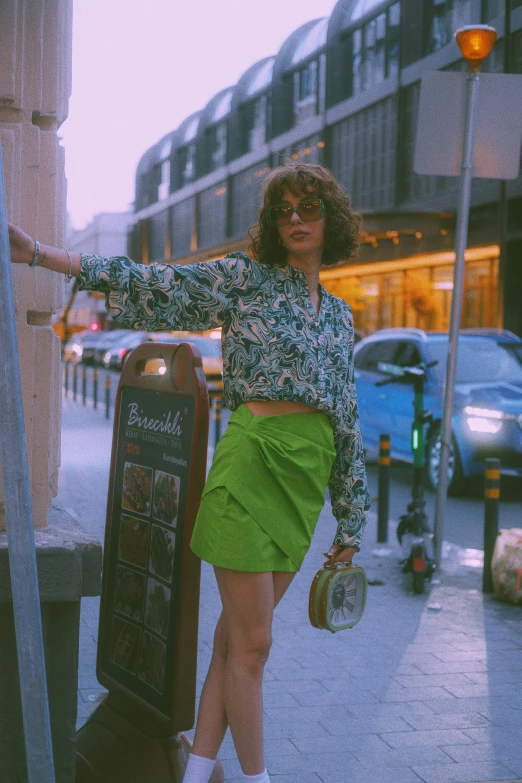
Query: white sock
[
  {"x": 198, "y": 770},
  {"x": 261, "y": 778}
]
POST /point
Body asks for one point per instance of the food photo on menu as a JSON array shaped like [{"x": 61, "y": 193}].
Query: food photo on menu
[
  {"x": 158, "y": 607},
  {"x": 137, "y": 488},
  {"x": 125, "y": 644},
  {"x": 133, "y": 540},
  {"x": 162, "y": 544},
  {"x": 166, "y": 497},
  {"x": 129, "y": 593},
  {"x": 152, "y": 662}
]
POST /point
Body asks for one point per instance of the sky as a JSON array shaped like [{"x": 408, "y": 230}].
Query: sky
[{"x": 140, "y": 67}]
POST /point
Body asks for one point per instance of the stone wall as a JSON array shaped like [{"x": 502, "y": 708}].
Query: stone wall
[{"x": 35, "y": 86}]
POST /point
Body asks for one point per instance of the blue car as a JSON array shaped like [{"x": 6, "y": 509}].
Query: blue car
[{"x": 487, "y": 411}]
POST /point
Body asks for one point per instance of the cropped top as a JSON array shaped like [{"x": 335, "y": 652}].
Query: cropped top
[{"x": 275, "y": 346}]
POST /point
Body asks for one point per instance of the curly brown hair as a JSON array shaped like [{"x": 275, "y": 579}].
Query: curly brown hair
[{"x": 342, "y": 225}]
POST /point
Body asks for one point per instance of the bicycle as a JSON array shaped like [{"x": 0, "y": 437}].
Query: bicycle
[{"x": 414, "y": 532}]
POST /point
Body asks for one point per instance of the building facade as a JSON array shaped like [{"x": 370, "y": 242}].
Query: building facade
[{"x": 344, "y": 91}]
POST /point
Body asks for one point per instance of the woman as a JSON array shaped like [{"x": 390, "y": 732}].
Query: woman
[{"x": 288, "y": 378}]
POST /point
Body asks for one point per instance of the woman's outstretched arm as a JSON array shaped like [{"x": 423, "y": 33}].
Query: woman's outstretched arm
[{"x": 24, "y": 249}]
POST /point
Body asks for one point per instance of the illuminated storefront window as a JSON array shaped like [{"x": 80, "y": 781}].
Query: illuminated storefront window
[{"x": 416, "y": 292}]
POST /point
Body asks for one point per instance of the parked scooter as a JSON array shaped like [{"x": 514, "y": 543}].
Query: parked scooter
[{"x": 414, "y": 531}]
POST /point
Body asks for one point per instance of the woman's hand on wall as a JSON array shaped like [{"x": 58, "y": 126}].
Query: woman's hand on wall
[
  {"x": 24, "y": 251},
  {"x": 23, "y": 246}
]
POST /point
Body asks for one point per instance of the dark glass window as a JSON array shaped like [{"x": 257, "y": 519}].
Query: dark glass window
[
  {"x": 183, "y": 227},
  {"x": 491, "y": 9},
  {"x": 368, "y": 357},
  {"x": 357, "y": 79},
  {"x": 364, "y": 155},
  {"x": 187, "y": 164},
  {"x": 212, "y": 215},
  {"x": 372, "y": 52},
  {"x": 411, "y": 186},
  {"x": 393, "y": 33},
  {"x": 216, "y": 146},
  {"x": 516, "y": 51},
  {"x": 346, "y": 74},
  {"x": 245, "y": 198},
  {"x": 408, "y": 354},
  {"x": 374, "y": 57},
  {"x": 254, "y": 118},
  {"x": 308, "y": 81},
  {"x": 441, "y": 19},
  {"x": 164, "y": 184},
  {"x": 158, "y": 236}
]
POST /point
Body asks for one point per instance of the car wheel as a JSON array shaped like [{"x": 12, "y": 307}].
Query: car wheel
[{"x": 456, "y": 480}]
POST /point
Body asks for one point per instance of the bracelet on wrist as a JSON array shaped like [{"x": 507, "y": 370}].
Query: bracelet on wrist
[
  {"x": 36, "y": 258},
  {"x": 69, "y": 276}
]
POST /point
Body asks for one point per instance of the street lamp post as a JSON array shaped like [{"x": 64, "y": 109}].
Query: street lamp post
[{"x": 475, "y": 43}]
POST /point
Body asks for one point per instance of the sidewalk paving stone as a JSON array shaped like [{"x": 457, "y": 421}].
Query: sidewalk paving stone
[
  {"x": 465, "y": 773},
  {"x": 403, "y": 757},
  {"x": 451, "y": 721}
]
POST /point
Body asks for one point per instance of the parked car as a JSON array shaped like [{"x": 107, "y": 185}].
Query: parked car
[
  {"x": 73, "y": 348},
  {"x": 80, "y": 348},
  {"x": 210, "y": 351},
  {"x": 118, "y": 350},
  {"x": 487, "y": 411},
  {"x": 105, "y": 341}
]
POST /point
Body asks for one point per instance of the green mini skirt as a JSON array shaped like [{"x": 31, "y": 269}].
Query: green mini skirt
[{"x": 265, "y": 491}]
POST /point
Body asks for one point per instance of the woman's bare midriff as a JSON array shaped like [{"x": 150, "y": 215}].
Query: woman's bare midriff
[{"x": 277, "y": 407}]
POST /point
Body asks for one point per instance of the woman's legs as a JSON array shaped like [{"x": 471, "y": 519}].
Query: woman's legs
[{"x": 212, "y": 715}]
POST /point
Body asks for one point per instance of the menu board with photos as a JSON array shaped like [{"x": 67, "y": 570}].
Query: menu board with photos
[{"x": 149, "y": 497}]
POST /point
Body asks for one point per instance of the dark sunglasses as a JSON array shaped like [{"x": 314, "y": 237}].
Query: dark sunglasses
[{"x": 308, "y": 210}]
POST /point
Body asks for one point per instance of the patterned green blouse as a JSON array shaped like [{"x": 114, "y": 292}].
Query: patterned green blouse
[{"x": 275, "y": 346}]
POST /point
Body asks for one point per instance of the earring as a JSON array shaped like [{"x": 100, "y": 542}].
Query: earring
[{"x": 280, "y": 241}]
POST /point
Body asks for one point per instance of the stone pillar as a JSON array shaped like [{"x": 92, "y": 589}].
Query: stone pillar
[
  {"x": 35, "y": 85},
  {"x": 35, "y": 81}
]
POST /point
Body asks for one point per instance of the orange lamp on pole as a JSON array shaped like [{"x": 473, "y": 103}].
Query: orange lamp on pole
[{"x": 475, "y": 43}]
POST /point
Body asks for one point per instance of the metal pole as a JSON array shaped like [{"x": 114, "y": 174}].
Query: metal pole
[
  {"x": 95, "y": 388},
  {"x": 383, "y": 508},
  {"x": 491, "y": 508},
  {"x": 75, "y": 381},
  {"x": 66, "y": 378},
  {"x": 503, "y": 200},
  {"x": 472, "y": 94},
  {"x": 20, "y": 533},
  {"x": 84, "y": 385},
  {"x": 107, "y": 395}
]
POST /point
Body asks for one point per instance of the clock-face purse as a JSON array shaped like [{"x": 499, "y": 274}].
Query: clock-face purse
[{"x": 337, "y": 596}]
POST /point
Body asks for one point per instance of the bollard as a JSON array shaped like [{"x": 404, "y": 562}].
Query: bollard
[
  {"x": 95, "y": 387},
  {"x": 66, "y": 378},
  {"x": 84, "y": 384},
  {"x": 75, "y": 381},
  {"x": 491, "y": 504},
  {"x": 217, "y": 416},
  {"x": 383, "y": 509},
  {"x": 107, "y": 395}
]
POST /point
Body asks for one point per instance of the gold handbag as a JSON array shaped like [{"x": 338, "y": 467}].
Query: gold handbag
[{"x": 337, "y": 596}]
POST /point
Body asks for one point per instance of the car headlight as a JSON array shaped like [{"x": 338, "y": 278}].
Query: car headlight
[{"x": 487, "y": 420}]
